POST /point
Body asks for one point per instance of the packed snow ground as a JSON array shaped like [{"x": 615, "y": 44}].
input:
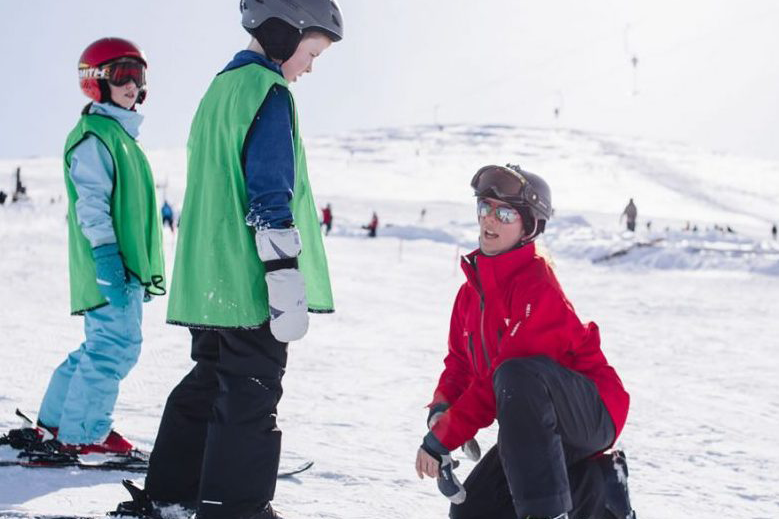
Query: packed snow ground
[{"x": 690, "y": 322}]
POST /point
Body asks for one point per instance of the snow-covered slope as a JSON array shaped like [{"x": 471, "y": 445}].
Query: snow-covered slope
[{"x": 689, "y": 322}]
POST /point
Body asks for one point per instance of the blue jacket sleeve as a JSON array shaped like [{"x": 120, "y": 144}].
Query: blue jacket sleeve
[
  {"x": 269, "y": 163},
  {"x": 92, "y": 173}
]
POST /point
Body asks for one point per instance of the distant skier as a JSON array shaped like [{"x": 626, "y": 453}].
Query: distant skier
[
  {"x": 630, "y": 213},
  {"x": 519, "y": 354},
  {"x": 115, "y": 248},
  {"x": 250, "y": 264},
  {"x": 327, "y": 218},
  {"x": 372, "y": 225},
  {"x": 3, "y": 196},
  {"x": 20, "y": 191},
  {"x": 773, "y": 231},
  {"x": 167, "y": 216}
]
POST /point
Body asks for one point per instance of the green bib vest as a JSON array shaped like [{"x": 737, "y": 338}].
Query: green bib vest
[
  {"x": 218, "y": 279},
  {"x": 133, "y": 211}
]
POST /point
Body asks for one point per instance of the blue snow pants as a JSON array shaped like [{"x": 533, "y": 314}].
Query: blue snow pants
[{"x": 82, "y": 392}]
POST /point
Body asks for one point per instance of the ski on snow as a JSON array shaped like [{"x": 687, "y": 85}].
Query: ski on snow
[{"x": 37, "y": 454}]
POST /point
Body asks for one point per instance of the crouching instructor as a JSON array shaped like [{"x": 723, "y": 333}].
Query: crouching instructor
[{"x": 519, "y": 354}]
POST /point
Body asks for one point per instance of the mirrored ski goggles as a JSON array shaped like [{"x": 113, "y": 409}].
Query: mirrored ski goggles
[
  {"x": 504, "y": 183},
  {"x": 118, "y": 73},
  {"x": 504, "y": 213}
]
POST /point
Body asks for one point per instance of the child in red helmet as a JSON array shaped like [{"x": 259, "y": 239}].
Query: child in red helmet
[
  {"x": 518, "y": 354},
  {"x": 115, "y": 249}
]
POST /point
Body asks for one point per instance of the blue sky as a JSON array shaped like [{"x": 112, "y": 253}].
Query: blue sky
[{"x": 705, "y": 73}]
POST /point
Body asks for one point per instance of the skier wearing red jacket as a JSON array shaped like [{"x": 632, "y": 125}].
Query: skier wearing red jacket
[{"x": 519, "y": 354}]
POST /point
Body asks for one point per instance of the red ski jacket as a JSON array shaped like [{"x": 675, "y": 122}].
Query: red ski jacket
[{"x": 512, "y": 306}]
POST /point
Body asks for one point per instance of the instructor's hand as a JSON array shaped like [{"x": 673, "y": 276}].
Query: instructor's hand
[{"x": 426, "y": 465}]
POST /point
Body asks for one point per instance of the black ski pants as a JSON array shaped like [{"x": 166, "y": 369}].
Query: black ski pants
[
  {"x": 551, "y": 420},
  {"x": 218, "y": 446}
]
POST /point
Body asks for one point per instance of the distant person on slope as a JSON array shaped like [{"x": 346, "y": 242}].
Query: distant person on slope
[
  {"x": 773, "y": 231},
  {"x": 167, "y": 216},
  {"x": 372, "y": 225},
  {"x": 115, "y": 245},
  {"x": 327, "y": 218},
  {"x": 519, "y": 354},
  {"x": 20, "y": 192},
  {"x": 250, "y": 264},
  {"x": 630, "y": 213}
]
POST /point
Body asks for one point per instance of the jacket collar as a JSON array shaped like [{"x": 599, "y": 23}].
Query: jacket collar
[
  {"x": 129, "y": 119},
  {"x": 246, "y": 57},
  {"x": 489, "y": 273}
]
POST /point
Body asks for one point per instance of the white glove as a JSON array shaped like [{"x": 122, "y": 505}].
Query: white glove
[{"x": 278, "y": 249}]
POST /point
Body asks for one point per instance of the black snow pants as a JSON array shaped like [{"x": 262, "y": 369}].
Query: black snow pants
[
  {"x": 218, "y": 446},
  {"x": 551, "y": 421}
]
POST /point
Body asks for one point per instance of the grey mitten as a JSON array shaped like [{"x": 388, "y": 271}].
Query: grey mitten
[{"x": 278, "y": 249}]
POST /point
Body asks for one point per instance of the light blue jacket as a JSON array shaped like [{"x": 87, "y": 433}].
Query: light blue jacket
[{"x": 92, "y": 172}]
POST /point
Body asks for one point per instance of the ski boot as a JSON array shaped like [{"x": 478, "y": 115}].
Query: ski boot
[
  {"x": 114, "y": 443},
  {"x": 614, "y": 467}
]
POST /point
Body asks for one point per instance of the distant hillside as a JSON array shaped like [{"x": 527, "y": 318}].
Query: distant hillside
[{"x": 591, "y": 174}]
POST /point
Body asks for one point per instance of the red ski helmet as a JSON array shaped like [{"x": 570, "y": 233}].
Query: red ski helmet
[{"x": 94, "y": 67}]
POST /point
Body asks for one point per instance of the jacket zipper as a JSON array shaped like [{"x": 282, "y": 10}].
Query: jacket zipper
[
  {"x": 473, "y": 355},
  {"x": 488, "y": 364}
]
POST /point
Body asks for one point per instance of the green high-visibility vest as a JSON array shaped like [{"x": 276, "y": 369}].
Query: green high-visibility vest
[
  {"x": 218, "y": 279},
  {"x": 134, "y": 213}
]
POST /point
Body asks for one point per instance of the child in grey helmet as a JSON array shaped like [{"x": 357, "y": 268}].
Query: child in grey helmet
[{"x": 250, "y": 265}]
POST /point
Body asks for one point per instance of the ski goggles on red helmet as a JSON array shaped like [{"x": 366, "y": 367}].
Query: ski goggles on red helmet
[
  {"x": 118, "y": 73},
  {"x": 504, "y": 213}
]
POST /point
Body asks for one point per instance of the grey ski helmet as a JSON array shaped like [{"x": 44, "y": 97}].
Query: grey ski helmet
[
  {"x": 323, "y": 15},
  {"x": 525, "y": 191}
]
